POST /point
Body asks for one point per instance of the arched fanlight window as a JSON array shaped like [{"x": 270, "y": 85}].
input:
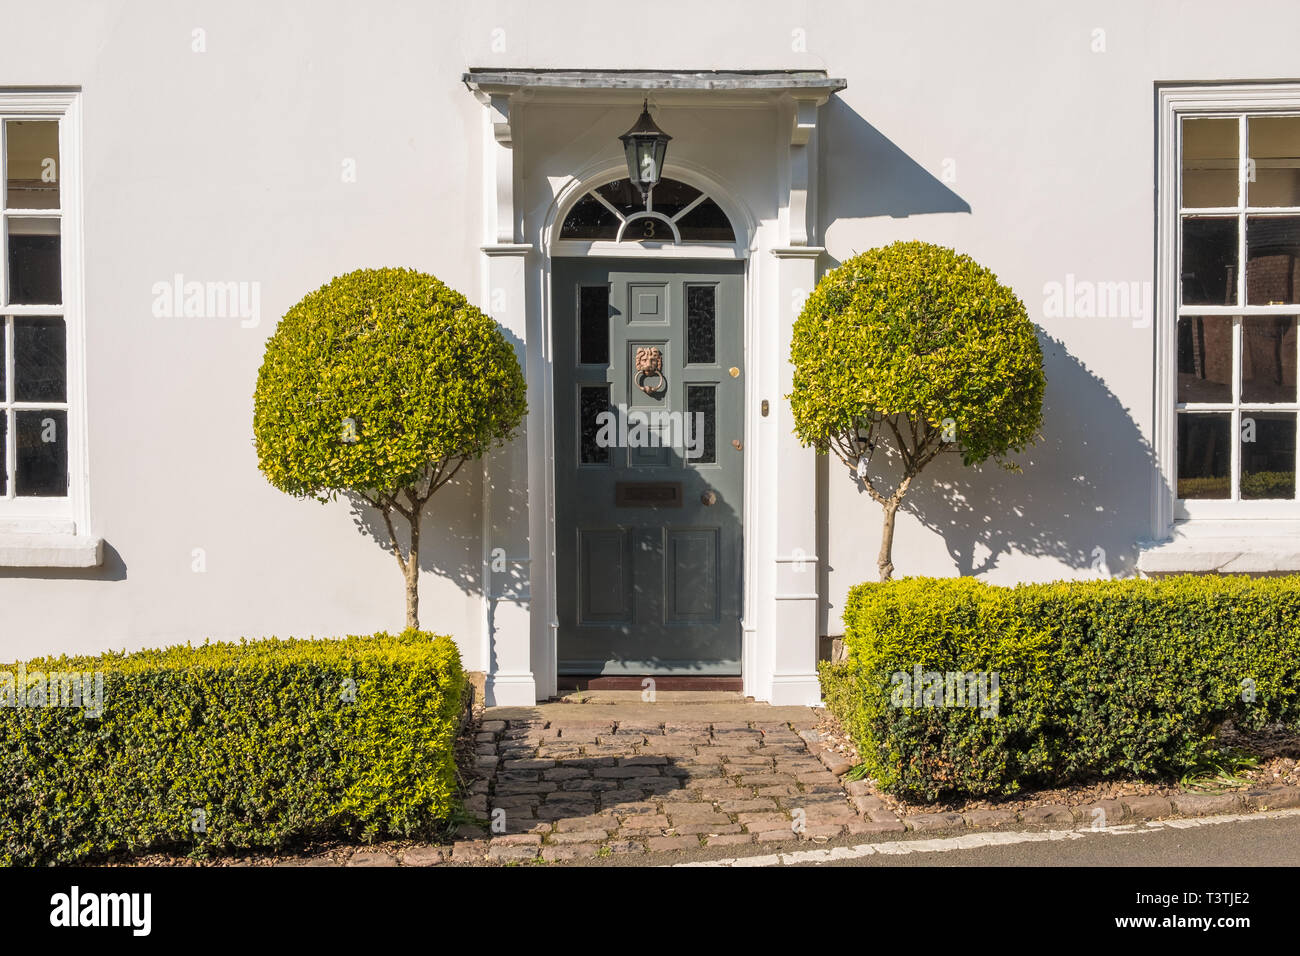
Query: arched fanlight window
[{"x": 677, "y": 213}]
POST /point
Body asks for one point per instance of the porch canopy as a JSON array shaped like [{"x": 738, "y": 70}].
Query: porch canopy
[{"x": 560, "y": 82}]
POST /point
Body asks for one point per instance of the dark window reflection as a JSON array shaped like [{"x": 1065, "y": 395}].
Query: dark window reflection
[
  {"x": 1204, "y": 455},
  {"x": 706, "y": 223},
  {"x": 1268, "y": 359},
  {"x": 42, "y": 454},
  {"x": 701, "y": 325},
  {"x": 1268, "y": 454},
  {"x": 592, "y": 401},
  {"x": 590, "y": 219},
  {"x": 40, "y": 359},
  {"x": 34, "y": 270},
  {"x": 1209, "y": 261},
  {"x": 1205, "y": 358},
  {"x": 593, "y": 325},
  {"x": 1272, "y": 249},
  {"x": 703, "y": 400}
]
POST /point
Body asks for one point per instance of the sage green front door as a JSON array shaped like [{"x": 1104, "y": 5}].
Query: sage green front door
[{"x": 649, "y": 466}]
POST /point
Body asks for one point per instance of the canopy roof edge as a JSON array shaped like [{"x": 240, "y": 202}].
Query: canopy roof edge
[{"x": 807, "y": 82}]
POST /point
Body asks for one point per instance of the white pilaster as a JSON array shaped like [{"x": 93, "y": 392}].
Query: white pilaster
[
  {"x": 795, "y": 596},
  {"x": 507, "y": 553}
]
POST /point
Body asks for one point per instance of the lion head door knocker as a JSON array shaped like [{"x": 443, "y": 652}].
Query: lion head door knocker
[{"x": 650, "y": 365}]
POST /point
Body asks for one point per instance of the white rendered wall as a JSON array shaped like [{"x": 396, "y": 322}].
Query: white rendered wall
[{"x": 227, "y": 164}]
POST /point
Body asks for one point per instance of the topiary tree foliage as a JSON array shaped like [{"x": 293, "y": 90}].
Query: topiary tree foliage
[
  {"x": 382, "y": 384},
  {"x": 916, "y": 350}
]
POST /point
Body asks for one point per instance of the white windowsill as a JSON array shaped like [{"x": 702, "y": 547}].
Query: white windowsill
[
  {"x": 1226, "y": 547},
  {"x": 50, "y": 551}
]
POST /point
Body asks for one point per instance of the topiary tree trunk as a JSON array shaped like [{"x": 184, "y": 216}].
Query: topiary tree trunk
[
  {"x": 914, "y": 349},
  {"x": 411, "y": 511},
  {"x": 917, "y": 444}
]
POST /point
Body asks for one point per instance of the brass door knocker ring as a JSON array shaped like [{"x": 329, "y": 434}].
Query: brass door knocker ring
[{"x": 650, "y": 364}]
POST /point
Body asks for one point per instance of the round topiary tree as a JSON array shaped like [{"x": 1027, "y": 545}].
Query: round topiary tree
[
  {"x": 917, "y": 350},
  {"x": 381, "y": 384}
]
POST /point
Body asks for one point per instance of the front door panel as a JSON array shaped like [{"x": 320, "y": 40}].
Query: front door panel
[{"x": 649, "y": 466}]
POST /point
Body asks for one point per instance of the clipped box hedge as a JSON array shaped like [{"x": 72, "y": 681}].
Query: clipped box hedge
[
  {"x": 233, "y": 746},
  {"x": 1095, "y": 679}
]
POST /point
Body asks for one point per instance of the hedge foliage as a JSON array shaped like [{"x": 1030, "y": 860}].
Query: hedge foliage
[
  {"x": 234, "y": 746},
  {"x": 1096, "y": 679},
  {"x": 1254, "y": 484}
]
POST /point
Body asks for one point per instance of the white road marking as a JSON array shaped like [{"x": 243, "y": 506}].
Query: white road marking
[{"x": 969, "y": 841}]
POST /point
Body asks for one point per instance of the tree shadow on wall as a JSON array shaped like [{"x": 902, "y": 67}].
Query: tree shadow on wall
[
  {"x": 446, "y": 550},
  {"x": 1083, "y": 496},
  {"x": 451, "y": 532}
]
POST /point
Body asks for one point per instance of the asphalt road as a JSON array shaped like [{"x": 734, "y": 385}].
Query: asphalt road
[
  {"x": 1255, "y": 843},
  {"x": 1258, "y": 839}
]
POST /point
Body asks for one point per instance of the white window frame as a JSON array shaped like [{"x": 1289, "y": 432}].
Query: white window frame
[
  {"x": 55, "y": 531},
  {"x": 1175, "y": 104}
]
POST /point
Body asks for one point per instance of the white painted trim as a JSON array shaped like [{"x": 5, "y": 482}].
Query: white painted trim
[
  {"x": 50, "y": 551},
  {"x": 65, "y": 107},
  {"x": 645, "y": 214},
  {"x": 511, "y": 690},
  {"x": 1175, "y": 101}
]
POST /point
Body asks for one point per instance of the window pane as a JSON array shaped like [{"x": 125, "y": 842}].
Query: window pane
[
  {"x": 34, "y": 270},
  {"x": 40, "y": 360},
  {"x": 4, "y": 453},
  {"x": 42, "y": 454},
  {"x": 1267, "y": 454},
  {"x": 1274, "y": 171},
  {"x": 1210, "y": 162},
  {"x": 670, "y": 197},
  {"x": 1204, "y": 452},
  {"x": 593, "y": 325},
  {"x": 589, "y": 219},
  {"x": 1205, "y": 358},
  {"x": 32, "y": 148},
  {"x": 1272, "y": 248},
  {"x": 701, "y": 325},
  {"x": 702, "y": 400},
  {"x": 592, "y": 401},
  {"x": 1268, "y": 359},
  {"x": 624, "y": 196},
  {"x": 1209, "y": 261},
  {"x": 706, "y": 223}
]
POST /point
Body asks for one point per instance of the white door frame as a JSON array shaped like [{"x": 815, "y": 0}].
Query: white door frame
[{"x": 781, "y": 598}]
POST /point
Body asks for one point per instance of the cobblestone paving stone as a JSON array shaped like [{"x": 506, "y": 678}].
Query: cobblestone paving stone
[{"x": 561, "y": 790}]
